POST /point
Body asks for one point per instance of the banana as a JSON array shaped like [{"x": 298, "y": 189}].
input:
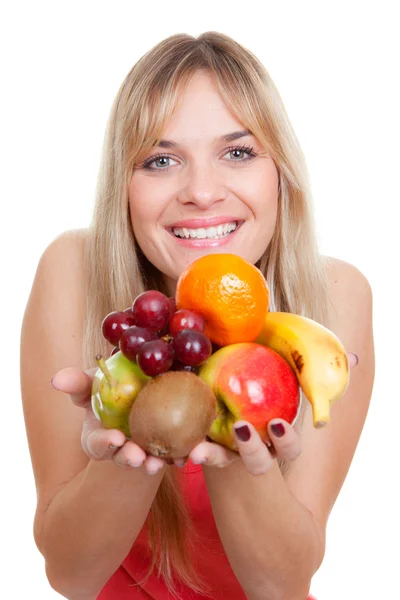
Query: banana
[{"x": 315, "y": 354}]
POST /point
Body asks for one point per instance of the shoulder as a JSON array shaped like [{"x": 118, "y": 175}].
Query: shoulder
[
  {"x": 343, "y": 275},
  {"x": 350, "y": 298},
  {"x": 67, "y": 246},
  {"x": 62, "y": 262},
  {"x": 57, "y": 298}
]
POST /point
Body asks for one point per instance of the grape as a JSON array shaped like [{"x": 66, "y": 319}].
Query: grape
[
  {"x": 132, "y": 339},
  {"x": 114, "y": 350},
  {"x": 162, "y": 332},
  {"x": 151, "y": 310},
  {"x": 172, "y": 306},
  {"x": 172, "y": 309},
  {"x": 185, "y": 319},
  {"x": 155, "y": 357},
  {"x": 114, "y": 324},
  {"x": 129, "y": 310},
  {"x": 191, "y": 347},
  {"x": 178, "y": 366}
]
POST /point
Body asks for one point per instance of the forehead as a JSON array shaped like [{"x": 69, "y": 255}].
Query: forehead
[{"x": 201, "y": 112}]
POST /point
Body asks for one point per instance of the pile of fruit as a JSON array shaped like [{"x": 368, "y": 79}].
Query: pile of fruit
[{"x": 189, "y": 367}]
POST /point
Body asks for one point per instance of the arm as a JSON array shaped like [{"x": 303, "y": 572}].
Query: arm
[
  {"x": 273, "y": 528},
  {"x": 90, "y": 526},
  {"x": 271, "y": 539},
  {"x": 81, "y": 503}
]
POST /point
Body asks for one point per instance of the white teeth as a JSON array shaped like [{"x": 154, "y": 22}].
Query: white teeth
[{"x": 205, "y": 232}]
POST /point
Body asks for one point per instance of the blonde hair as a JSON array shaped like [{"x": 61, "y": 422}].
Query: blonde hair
[{"x": 117, "y": 270}]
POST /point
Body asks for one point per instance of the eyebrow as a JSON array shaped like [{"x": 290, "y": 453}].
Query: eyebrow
[{"x": 229, "y": 137}]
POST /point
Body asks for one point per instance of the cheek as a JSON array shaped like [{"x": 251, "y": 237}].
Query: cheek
[
  {"x": 145, "y": 205},
  {"x": 139, "y": 218},
  {"x": 262, "y": 194},
  {"x": 142, "y": 220}
]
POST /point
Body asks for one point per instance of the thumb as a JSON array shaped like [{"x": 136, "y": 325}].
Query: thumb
[{"x": 76, "y": 383}]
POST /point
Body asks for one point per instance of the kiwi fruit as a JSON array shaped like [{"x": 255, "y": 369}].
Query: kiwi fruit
[{"x": 172, "y": 414}]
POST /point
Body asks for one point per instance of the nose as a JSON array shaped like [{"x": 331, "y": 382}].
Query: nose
[{"x": 203, "y": 186}]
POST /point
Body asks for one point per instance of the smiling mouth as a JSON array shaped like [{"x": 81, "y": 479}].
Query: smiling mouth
[{"x": 216, "y": 232}]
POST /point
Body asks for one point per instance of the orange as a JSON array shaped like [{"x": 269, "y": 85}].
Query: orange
[{"x": 229, "y": 292}]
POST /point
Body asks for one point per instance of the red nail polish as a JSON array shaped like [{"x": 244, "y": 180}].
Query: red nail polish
[
  {"x": 243, "y": 433},
  {"x": 278, "y": 429}
]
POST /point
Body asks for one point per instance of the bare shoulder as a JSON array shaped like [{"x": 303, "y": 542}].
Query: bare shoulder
[
  {"x": 342, "y": 273},
  {"x": 319, "y": 473},
  {"x": 51, "y": 339},
  {"x": 60, "y": 273},
  {"x": 59, "y": 276},
  {"x": 350, "y": 307},
  {"x": 67, "y": 247},
  {"x": 349, "y": 292}
]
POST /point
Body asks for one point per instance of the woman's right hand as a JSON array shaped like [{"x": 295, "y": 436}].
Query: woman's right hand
[{"x": 97, "y": 442}]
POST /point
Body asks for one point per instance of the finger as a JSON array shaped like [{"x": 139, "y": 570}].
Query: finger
[
  {"x": 352, "y": 359},
  {"x": 252, "y": 449},
  {"x": 130, "y": 455},
  {"x": 285, "y": 440},
  {"x": 212, "y": 455},
  {"x": 153, "y": 464},
  {"x": 76, "y": 383},
  {"x": 100, "y": 443}
]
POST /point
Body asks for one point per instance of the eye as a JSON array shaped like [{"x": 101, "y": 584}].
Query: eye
[
  {"x": 160, "y": 162},
  {"x": 241, "y": 153}
]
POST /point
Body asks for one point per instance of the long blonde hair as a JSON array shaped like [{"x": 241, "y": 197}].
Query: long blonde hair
[{"x": 117, "y": 271}]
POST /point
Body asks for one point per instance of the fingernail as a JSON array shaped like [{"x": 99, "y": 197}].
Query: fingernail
[
  {"x": 198, "y": 461},
  {"x": 112, "y": 447},
  {"x": 356, "y": 357},
  {"x": 180, "y": 462},
  {"x": 243, "y": 433},
  {"x": 153, "y": 471},
  {"x": 278, "y": 429},
  {"x": 52, "y": 383},
  {"x": 135, "y": 465}
]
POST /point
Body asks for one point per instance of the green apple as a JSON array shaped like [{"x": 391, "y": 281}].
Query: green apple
[
  {"x": 252, "y": 383},
  {"x": 115, "y": 387}
]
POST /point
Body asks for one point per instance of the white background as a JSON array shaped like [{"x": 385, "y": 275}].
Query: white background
[{"x": 336, "y": 65}]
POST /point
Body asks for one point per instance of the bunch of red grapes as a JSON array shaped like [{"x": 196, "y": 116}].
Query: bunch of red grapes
[{"x": 156, "y": 336}]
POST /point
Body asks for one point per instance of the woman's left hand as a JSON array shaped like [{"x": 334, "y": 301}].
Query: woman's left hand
[{"x": 257, "y": 456}]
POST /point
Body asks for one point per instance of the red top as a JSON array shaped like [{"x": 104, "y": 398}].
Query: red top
[{"x": 209, "y": 558}]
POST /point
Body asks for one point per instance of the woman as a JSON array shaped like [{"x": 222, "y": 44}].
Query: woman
[{"x": 197, "y": 133}]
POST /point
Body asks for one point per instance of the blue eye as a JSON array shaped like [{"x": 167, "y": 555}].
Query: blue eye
[
  {"x": 241, "y": 150},
  {"x": 162, "y": 162}
]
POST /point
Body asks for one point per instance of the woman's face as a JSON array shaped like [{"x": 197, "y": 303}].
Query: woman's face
[{"x": 209, "y": 187}]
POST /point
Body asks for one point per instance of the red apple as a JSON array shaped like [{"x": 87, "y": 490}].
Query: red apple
[{"x": 253, "y": 383}]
